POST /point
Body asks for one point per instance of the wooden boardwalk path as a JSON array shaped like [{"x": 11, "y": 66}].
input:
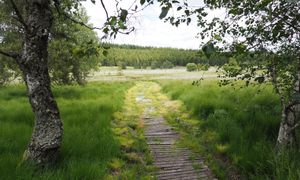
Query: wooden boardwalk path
[{"x": 173, "y": 163}]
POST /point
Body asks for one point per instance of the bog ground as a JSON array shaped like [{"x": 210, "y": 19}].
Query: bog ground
[
  {"x": 116, "y": 74},
  {"x": 132, "y": 130}
]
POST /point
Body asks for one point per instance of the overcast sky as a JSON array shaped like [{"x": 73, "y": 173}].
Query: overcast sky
[{"x": 150, "y": 30}]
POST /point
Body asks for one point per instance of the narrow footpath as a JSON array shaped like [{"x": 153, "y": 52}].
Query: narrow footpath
[{"x": 172, "y": 161}]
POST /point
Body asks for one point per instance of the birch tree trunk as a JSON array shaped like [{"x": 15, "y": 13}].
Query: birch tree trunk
[
  {"x": 47, "y": 134},
  {"x": 286, "y": 135},
  {"x": 290, "y": 117}
]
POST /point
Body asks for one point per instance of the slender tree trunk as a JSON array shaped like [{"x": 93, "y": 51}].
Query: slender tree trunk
[
  {"x": 47, "y": 134},
  {"x": 286, "y": 135},
  {"x": 290, "y": 117}
]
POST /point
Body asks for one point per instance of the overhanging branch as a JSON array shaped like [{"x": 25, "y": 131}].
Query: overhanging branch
[
  {"x": 104, "y": 7},
  {"x": 79, "y": 22},
  {"x": 19, "y": 15},
  {"x": 9, "y": 54},
  {"x": 66, "y": 15},
  {"x": 69, "y": 17}
]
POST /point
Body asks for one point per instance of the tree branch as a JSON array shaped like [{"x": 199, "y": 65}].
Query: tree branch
[
  {"x": 20, "y": 17},
  {"x": 80, "y": 22},
  {"x": 104, "y": 7},
  {"x": 66, "y": 15},
  {"x": 148, "y": 4},
  {"x": 292, "y": 26},
  {"x": 9, "y": 54}
]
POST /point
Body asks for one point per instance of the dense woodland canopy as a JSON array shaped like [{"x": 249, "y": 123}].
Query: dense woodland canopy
[{"x": 143, "y": 57}]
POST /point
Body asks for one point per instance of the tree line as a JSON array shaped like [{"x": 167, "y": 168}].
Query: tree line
[{"x": 154, "y": 57}]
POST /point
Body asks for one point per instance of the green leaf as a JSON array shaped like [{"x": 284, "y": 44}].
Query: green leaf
[
  {"x": 236, "y": 11},
  {"x": 187, "y": 12},
  {"x": 113, "y": 20},
  {"x": 105, "y": 53},
  {"x": 142, "y": 2},
  {"x": 122, "y": 25},
  {"x": 164, "y": 12},
  {"x": 264, "y": 3},
  {"x": 240, "y": 48},
  {"x": 123, "y": 15},
  {"x": 179, "y": 8},
  {"x": 233, "y": 11},
  {"x": 208, "y": 49},
  {"x": 188, "y": 21},
  {"x": 105, "y": 30},
  {"x": 217, "y": 37}
]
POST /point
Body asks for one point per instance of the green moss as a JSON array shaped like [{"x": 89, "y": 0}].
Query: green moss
[
  {"x": 128, "y": 129},
  {"x": 116, "y": 164}
]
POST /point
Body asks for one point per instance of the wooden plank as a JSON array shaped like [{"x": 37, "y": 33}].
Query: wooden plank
[
  {"x": 173, "y": 162},
  {"x": 161, "y": 133}
]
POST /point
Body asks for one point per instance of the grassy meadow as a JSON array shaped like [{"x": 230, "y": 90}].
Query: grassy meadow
[
  {"x": 88, "y": 143},
  {"x": 237, "y": 129},
  {"x": 234, "y": 128}
]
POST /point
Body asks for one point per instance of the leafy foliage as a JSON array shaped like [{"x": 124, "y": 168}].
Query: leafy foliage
[
  {"x": 73, "y": 48},
  {"x": 6, "y": 72},
  {"x": 72, "y": 56},
  {"x": 9, "y": 41},
  {"x": 268, "y": 28}
]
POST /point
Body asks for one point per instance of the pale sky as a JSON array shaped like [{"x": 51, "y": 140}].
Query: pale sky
[{"x": 150, "y": 30}]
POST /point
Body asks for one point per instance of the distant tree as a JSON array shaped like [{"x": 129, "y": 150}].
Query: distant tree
[
  {"x": 167, "y": 65},
  {"x": 155, "y": 65}
]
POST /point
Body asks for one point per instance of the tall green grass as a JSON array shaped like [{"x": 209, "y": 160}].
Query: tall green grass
[
  {"x": 88, "y": 142},
  {"x": 239, "y": 124}
]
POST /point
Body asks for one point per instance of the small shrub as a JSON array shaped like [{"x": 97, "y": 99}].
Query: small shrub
[{"x": 191, "y": 67}]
